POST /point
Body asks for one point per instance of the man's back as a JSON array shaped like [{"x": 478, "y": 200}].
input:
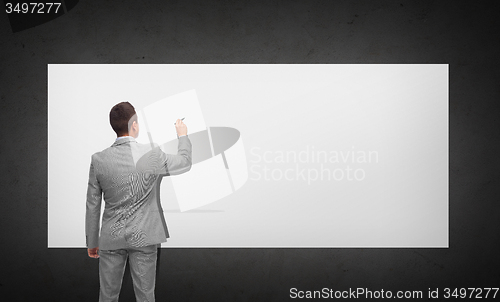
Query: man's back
[{"x": 128, "y": 175}]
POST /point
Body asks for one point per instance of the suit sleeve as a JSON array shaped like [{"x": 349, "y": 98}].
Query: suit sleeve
[
  {"x": 179, "y": 163},
  {"x": 93, "y": 213}
]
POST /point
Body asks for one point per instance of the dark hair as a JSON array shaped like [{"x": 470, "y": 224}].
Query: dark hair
[{"x": 121, "y": 117}]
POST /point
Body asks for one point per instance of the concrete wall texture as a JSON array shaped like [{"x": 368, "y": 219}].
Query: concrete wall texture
[{"x": 464, "y": 35}]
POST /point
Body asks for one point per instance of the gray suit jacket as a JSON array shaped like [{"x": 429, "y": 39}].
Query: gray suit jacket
[{"x": 129, "y": 174}]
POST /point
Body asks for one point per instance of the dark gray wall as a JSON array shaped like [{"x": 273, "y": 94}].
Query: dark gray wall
[{"x": 462, "y": 35}]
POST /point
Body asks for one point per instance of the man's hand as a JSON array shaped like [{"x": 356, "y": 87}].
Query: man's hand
[
  {"x": 181, "y": 128},
  {"x": 94, "y": 253}
]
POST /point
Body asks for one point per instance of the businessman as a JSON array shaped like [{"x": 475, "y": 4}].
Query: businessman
[{"x": 128, "y": 175}]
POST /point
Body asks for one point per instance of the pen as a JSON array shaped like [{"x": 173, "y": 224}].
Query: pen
[{"x": 181, "y": 120}]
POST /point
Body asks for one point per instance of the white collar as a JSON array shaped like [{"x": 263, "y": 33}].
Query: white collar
[{"x": 122, "y": 137}]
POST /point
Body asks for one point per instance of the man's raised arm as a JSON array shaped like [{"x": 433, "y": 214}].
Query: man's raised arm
[{"x": 182, "y": 161}]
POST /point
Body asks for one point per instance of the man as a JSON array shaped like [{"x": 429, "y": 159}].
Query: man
[{"x": 133, "y": 226}]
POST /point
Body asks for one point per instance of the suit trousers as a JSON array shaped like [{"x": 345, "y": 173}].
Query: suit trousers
[{"x": 142, "y": 261}]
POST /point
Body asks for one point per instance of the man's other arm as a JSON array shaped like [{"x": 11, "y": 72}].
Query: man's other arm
[{"x": 93, "y": 213}]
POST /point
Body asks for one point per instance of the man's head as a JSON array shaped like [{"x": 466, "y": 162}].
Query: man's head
[{"x": 123, "y": 120}]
